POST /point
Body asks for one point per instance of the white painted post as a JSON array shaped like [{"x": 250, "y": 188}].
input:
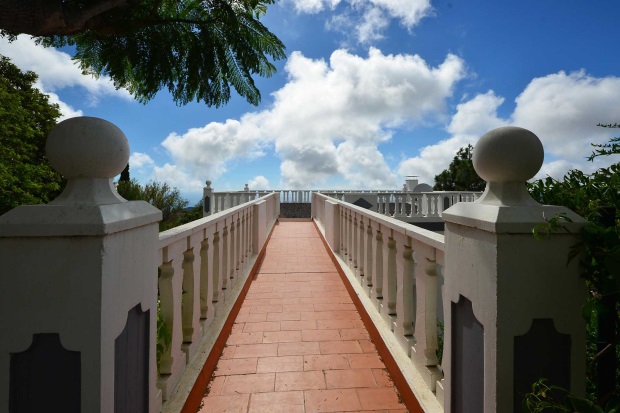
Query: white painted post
[
  {"x": 78, "y": 275},
  {"x": 512, "y": 305},
  {"x": 208, "y": 203},
  {"x": 259, "y": 233},
  {"x": 331, "y": 224}
]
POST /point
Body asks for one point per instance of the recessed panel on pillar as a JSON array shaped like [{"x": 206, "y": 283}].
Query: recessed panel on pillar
[
  {"x": 45, "y": 378},
  {"x": 542, "y": 352},
  {"x": 131, "y": 364},
  {"x": 467, "y": 359}
]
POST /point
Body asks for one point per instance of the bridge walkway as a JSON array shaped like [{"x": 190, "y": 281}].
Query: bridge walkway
[{"x": 298, "y": 343}]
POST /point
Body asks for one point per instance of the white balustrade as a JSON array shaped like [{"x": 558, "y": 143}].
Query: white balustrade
[
  {"x": 394, "y": 268},
  {"x": 202, "y": 267}
]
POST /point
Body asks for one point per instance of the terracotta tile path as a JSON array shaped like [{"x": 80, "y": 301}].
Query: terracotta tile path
[{"x": 298, "y": 344}]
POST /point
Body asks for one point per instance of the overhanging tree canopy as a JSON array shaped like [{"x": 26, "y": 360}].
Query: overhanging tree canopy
[{"x": 194, "y": 48}]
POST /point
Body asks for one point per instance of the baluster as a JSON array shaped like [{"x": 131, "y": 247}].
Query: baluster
[
  {"x": 424, "y": 352},
  {"x": 250, "y": 235},
  {"x": 388, "y": 310},
  {"x": 356, "y": 244},
  {"x": 204, "y": 277},
  {"x": 225, "y": 257},
  {"x": 216, "y": 267},
  {"x": 239, "y": 265},
  {"x": 399, "y": 207},
  {"x": 166, "y": 308},
  {"x": 405, "y": 290},
  {"x": 369, "y": 264},
  {"x": 244, "y": 238},
  {"x": 377, "y": 292},
  {"x": 361, "y": 250},
  {"x": 342, "y": 231},
  {"x": 187, "y": 301},
  {"x": 233, "y": 264},
  {"x": 350, "y": 240}
]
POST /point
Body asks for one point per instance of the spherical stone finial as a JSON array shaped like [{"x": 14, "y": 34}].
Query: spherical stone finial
[
  {"x": 508, "y": 154},
  {"x": 208, "y": 184},
  {"x": 86, "y": 147}
]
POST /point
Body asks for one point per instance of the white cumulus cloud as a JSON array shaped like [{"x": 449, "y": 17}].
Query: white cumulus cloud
[
  {"x": 258, "y": 182},
  {"x": 139, "y": 160},
  {"x": 561, "y": 109},
  {"x": 328, "y": 120},
  {"x": 367, "y": 19}
]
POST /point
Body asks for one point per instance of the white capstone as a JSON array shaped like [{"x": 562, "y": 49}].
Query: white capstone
[
  {"x": 508, "y": 154},
  {"x": 87, "y": 147},
  {"x": 89, "y": 152}
]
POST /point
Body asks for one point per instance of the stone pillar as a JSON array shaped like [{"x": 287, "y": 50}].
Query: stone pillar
[
  {"x": 331, "y": 225},
  {"x": 512, "y": 306},
  {"x": 78, "y": 295},
  {"x": 207, "y": 200}
]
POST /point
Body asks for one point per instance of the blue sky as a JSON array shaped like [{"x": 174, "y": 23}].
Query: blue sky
[{"x": 372, "y": 91}]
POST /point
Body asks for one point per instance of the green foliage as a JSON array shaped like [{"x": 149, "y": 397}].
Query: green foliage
[
  {"x": 161, "y": 196},
  {"x": 164, "y": 336},
  {"x": 195, "y": 49},
  {"x": 26, "y": 117},
  {"x": 440, "y": 338},
  {"x": 597, "y": 198},
  {"x": 460, "y": 175},
  {"x": 554, "y": 399}
]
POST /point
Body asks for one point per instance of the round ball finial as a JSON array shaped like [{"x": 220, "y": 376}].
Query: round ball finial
[
  {"x": 208, "y": 184},
  {"x": 508, "y": 154},
  {"x": 87, "y": 147}
]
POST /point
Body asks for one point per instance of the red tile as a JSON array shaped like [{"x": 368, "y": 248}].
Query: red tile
[
  {"x": 263, "y": 326},
  {"x": 298, "y": 325},
  {"x": 303, "y": 348},
  {"x": 237, "y": 403},
  {"x": 382, "y": 398},
  {"x": 353, "y": 334},
  {"x": 337, "y": 400},
  {"x": 340, "y": 347},
  {"x": 367, "y": 360},
  {"x": 303, "y": 380},
  {"x": 277, "y": 402},
  {"x": 326, "y": 362},
  {"x": 259, "y": 309},
  {"x": 255, "y": 350},
  {"x": 235, "y": 366},
  {"x": 330, "y": 324},
  {"x": 250, "y": 318},
  {"x": 347, "y": 379},
  {"x": 320, "y": 335},
  {"x": 250, "y": 383},
  {"x": 215, "y": 386},
  {"x": 280, "y": 364},
  {"x": 290, "y": 316},
  {"x": 281, "y": 336},
  {"x": 367, "y": 346},
  {"x": 245, "y": 338},
  {"x": 382, "y": 378}
]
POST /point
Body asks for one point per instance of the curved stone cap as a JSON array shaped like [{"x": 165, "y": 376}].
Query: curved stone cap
[
  {"x": 506, "y": 158},
  {"x": 508, "y": 154},
  {"x": 89, "y": 152}
]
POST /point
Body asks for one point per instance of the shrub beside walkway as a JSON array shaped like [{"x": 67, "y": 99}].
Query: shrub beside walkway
[{"x": 298, "y": 343}]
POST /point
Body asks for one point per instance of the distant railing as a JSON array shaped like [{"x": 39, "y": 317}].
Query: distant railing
[{"x": 397, "y": 204}]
